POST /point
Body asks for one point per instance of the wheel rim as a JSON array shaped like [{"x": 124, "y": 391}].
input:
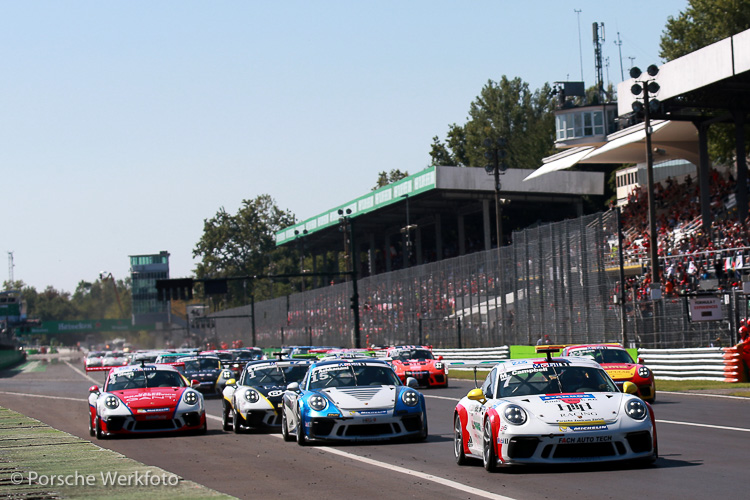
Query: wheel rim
[
  {"x": 487, "y": 435},
  {"x": 458, "y": 445}
]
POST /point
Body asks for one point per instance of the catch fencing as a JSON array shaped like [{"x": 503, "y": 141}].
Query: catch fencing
[{"x": 558, "y": 279}]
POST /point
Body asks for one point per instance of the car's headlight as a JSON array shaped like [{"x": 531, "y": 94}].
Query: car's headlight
[
  {"x": 318, "y": 403},
  {"x": 439, "y": 365},
  {"x": 251, "y": 396},
  {"x": 636, "y": 409},
  {"x": 515, "y": 415},
  {"x": 226, "y": 374},
  {"x": 111, "y": 402},
  {"x": 191, "y": 397},
  {"x": 410, "y": 398},
  {"x": 644, "y": 372}
]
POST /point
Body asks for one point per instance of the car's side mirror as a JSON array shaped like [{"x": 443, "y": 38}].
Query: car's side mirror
[
  {"x": 476, "y": 395},
  {"x": 412, "y": 382},
  {"x": 231, "y": 382},
  {"x": 629, "y": 388},
  {"x": 294, "y": 387},
  {"x": 440, "y": 358},
  {"x": 195, "y": 383},
  {"x": 640, "y": 361},
  {"x": 94, "y": 389}
]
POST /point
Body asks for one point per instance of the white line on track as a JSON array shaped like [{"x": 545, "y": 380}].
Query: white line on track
[
  {"x": 704, "y": 395},
  {"x": 722, "y": 427},
  {"x": 27, "y": 395},
  {"x": 81, "y": 372}
]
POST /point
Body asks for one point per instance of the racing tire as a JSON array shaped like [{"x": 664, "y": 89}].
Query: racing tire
[
  {"x": 488, "y": 449},
  {"x": 236, "y": 426},
  {"x": 92, "y": 431},
  {"x": 301, "y": 438},
  {"x": 285, "y": 428},
  {"x": 458, "y": 442},
  {"x": 226, "y": 425},
  {"x": 99, "y": 433}
]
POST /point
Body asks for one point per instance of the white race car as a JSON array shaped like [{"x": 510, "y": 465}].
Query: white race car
[{"x": 554, "y": 410}]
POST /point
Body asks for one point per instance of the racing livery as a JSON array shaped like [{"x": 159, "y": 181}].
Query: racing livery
[
  {"x": 420, "y": 363},
  {"x": 255, "y": 401},
  {"x": 206, "y": 370},
  {"x": 554, "y": 410},
  {"x": 352, "y": 400},
  {"x": 619, "y": 365},
  {"x": 145, "y": 398}
]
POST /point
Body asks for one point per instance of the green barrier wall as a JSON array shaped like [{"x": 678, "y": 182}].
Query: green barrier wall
[{"x": 11, "y": 357}]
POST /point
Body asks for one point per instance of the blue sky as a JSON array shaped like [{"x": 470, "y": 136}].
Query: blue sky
[{"x": 124, "y": 125}]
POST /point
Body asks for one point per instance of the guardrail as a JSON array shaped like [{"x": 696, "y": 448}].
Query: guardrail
[
  {"x": 722, "y": 364},
  {"x": 458, "y": 359}
]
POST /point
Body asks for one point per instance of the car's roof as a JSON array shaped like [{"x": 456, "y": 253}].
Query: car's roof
[
  {"x": 149, "y": 367},
  {"x": 519, "y": 364},
  {"x": 594, "y": 346},
  {"x": 354, "y": 361}
]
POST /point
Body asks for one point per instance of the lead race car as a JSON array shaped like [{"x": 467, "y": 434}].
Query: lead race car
[
  {"x": 618, "y": 363},
  {"x": 255, "y": 400},
  {"x": 551, "y": 411},
  {"x": 352, "y": 400},
  {"x": 144, "y": 399}
]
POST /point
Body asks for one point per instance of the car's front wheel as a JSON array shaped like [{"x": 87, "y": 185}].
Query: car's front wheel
[
  {"x": 225, "y": 423},
  {"x": 92, "y": 431},
  {"x": 99, "y": 433},
  {"x": 236, "y": 419},
  {"x": 285, "y": 428},
  {"x": 301, "y": 438},
  {"x": 488, "y": 452},
  {"x": 458, "y": 441}
]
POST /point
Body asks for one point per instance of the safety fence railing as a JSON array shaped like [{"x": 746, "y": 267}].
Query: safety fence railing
[
  {"x": 557, "y": 279},
  {"x": 711, "y": 363}
]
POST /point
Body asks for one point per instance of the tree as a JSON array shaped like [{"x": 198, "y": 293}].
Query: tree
[
  {"x": 506, "y": 109},
  {"x": 244, "y": 245},
  {"x": 703, "y": 23},
  {"x": 385, "y": 178}
]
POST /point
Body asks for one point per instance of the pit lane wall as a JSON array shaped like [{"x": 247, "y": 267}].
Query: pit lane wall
[
  {"x": 11, "y": 357},
  {"x": 722, "y": 364}
]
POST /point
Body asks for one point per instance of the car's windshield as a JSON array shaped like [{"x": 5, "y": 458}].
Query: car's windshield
[
  {"x": 140, "y": 379},
  {"x": 273, "y": 375},
  {"x": 352, "y": 375},
  {"x": 553, "y": 379},
  {"x": 406, "y": 354},
  {"x": 604, "y": 355},
  {"x": 248, "y": 355},
  {"x": 199, "y": 364}
]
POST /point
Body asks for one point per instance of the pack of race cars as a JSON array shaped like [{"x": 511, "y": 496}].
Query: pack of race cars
[{"x": 544, "y": 410}]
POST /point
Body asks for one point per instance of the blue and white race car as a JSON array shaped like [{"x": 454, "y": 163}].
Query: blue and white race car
[
  {"x": 352, "y": 400},
  {"x": 551, "y": 411},
  {"x": 254, "y": 401}
]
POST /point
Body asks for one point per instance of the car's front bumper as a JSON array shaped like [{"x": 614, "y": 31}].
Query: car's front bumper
[{"x": 370, "y": 426}]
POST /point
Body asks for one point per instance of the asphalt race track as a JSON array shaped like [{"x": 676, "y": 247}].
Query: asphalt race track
[{"x": 704, "y": 443}]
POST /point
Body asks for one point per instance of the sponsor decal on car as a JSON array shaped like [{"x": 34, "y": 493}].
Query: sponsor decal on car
[
  {"x": 592, "y": 425},
  {"x": 584, "y": 439}
]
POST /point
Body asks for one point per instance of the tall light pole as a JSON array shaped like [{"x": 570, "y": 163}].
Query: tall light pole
[
  {"x": 346, "y": 224},
  {"x": 104, "y": 276},
  {"x": 495, "y": 153},
  {"x": 648, "y": 86}
]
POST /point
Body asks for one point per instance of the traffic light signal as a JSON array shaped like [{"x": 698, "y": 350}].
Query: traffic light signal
[{"x": 176, "y": 289}]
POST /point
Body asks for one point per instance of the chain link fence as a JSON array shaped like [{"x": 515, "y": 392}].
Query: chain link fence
[{"x": 558, "y": 280}]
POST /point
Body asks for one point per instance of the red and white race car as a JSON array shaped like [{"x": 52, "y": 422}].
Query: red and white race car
[
  {"x": 419, "y": 362},
  {"x": 618, "y": 363},
  {"x": 145, "y": 399}
]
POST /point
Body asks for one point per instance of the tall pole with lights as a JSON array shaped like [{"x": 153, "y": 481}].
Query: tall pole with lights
[
  {"x": 648, "y": 86},
  {"x": 104, "y": 276}
]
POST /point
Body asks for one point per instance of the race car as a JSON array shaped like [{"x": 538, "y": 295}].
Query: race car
[
  {"x": 139, "y": 399},
  {"x": 352, "y": 400},
  {"x": 255, "y": 400},
  {"x": 93, "y": 360},
  {"x": 552, "y": 411},
  {"x": 420, "y": 363},
  {"x": 205, "y": 369},
  {"x": 619, "y": 365}
]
